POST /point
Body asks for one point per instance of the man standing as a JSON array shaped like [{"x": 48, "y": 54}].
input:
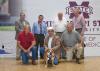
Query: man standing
[
  {"x": 60, "y": 27},
  {"x": 79, "y": 25},
  {"x": 69, "y": 40},
  {"x": 26, "y": 42},
  {"x": 18, "y": 28},
  {"x": 79, "y": 21},
  {"x": 60, "y": 24},
  {"x": 39, "y": 30}
]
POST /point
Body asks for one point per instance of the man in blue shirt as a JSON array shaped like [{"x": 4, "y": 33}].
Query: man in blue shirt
[{"x": 39, "y": 30}]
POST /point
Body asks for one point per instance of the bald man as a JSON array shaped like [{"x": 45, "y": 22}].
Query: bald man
[
  {"x": 69, "y": 40},
  {"x": 26, "y": 42}
]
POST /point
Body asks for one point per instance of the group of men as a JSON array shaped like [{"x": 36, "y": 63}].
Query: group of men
[{"x": 61, "y": 38}]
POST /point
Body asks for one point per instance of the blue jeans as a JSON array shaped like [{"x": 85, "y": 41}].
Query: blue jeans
[
  {"x": 25, "y": 56},
  {"x": 42, "y": 50}
]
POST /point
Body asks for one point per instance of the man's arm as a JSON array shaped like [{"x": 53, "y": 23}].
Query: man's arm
[
  {"x": 58, "y": 42},
  {"x": 83, "y": 25},
  {"x": 33, "y": 27},
  {"x": 18, "y": 43},
  {"x": 45, "y": 43},
  {"x": 45, "y": 28},
  {"x": 33, "y": 43},
  {"x": 17, "y": 28},
  {"x": 62, "y": 42}
]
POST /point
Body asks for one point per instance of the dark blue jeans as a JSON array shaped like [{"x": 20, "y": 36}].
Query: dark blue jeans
[
  {"x": 42, "y": 50},
  {"x": 40, "y": 43},
  {"x": 25, "y": 56}
]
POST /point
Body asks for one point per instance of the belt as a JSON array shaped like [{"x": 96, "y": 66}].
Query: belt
[
  {"x": 69, "y": 46},
  {"x": 58, "y": 32},
  {"x": 38, "y": 34}
]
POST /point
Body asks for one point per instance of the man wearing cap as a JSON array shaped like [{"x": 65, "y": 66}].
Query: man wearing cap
[{"x": 52, "y": 42}]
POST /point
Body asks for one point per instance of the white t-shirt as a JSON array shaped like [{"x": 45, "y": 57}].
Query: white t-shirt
[{"x": 50, "y": 42}]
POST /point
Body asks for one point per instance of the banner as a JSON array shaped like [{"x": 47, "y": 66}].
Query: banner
[
  {"x": 50, "y": 8},
  {"x": 89, "y": 9}
]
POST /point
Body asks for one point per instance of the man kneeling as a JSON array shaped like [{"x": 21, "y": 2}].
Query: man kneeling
[
  {"x": 71, "y": 43},
  {"x": 52, "y": 47},
  {"x": 26, "y": 42}
]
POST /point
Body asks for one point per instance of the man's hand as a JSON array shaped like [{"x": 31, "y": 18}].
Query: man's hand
[
  {"x": 81, "y": 34},
  {"x": 52, "y": 49},
  {"x": 26, "y": 51}
]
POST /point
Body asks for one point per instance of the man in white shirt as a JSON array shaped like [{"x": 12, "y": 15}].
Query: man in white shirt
[
  {"x": 59, "y": 24},
  {"x": 59, "y": 27}
]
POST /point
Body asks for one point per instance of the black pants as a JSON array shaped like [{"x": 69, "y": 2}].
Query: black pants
[{"x": 39, "y": 42}]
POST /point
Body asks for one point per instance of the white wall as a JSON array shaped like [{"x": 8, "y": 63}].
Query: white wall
[{"x": 49, "y": 8}]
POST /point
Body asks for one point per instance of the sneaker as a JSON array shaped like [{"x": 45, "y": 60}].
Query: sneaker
[{"x": 17, "y": 58}]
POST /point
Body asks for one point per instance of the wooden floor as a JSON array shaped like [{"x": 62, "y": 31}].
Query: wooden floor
[{"x": 88, "y": 64}]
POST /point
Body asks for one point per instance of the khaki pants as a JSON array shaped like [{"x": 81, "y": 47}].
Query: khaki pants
[
  {"x": 17, "y": 51},
  {"x": 71, "y": 50}
]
